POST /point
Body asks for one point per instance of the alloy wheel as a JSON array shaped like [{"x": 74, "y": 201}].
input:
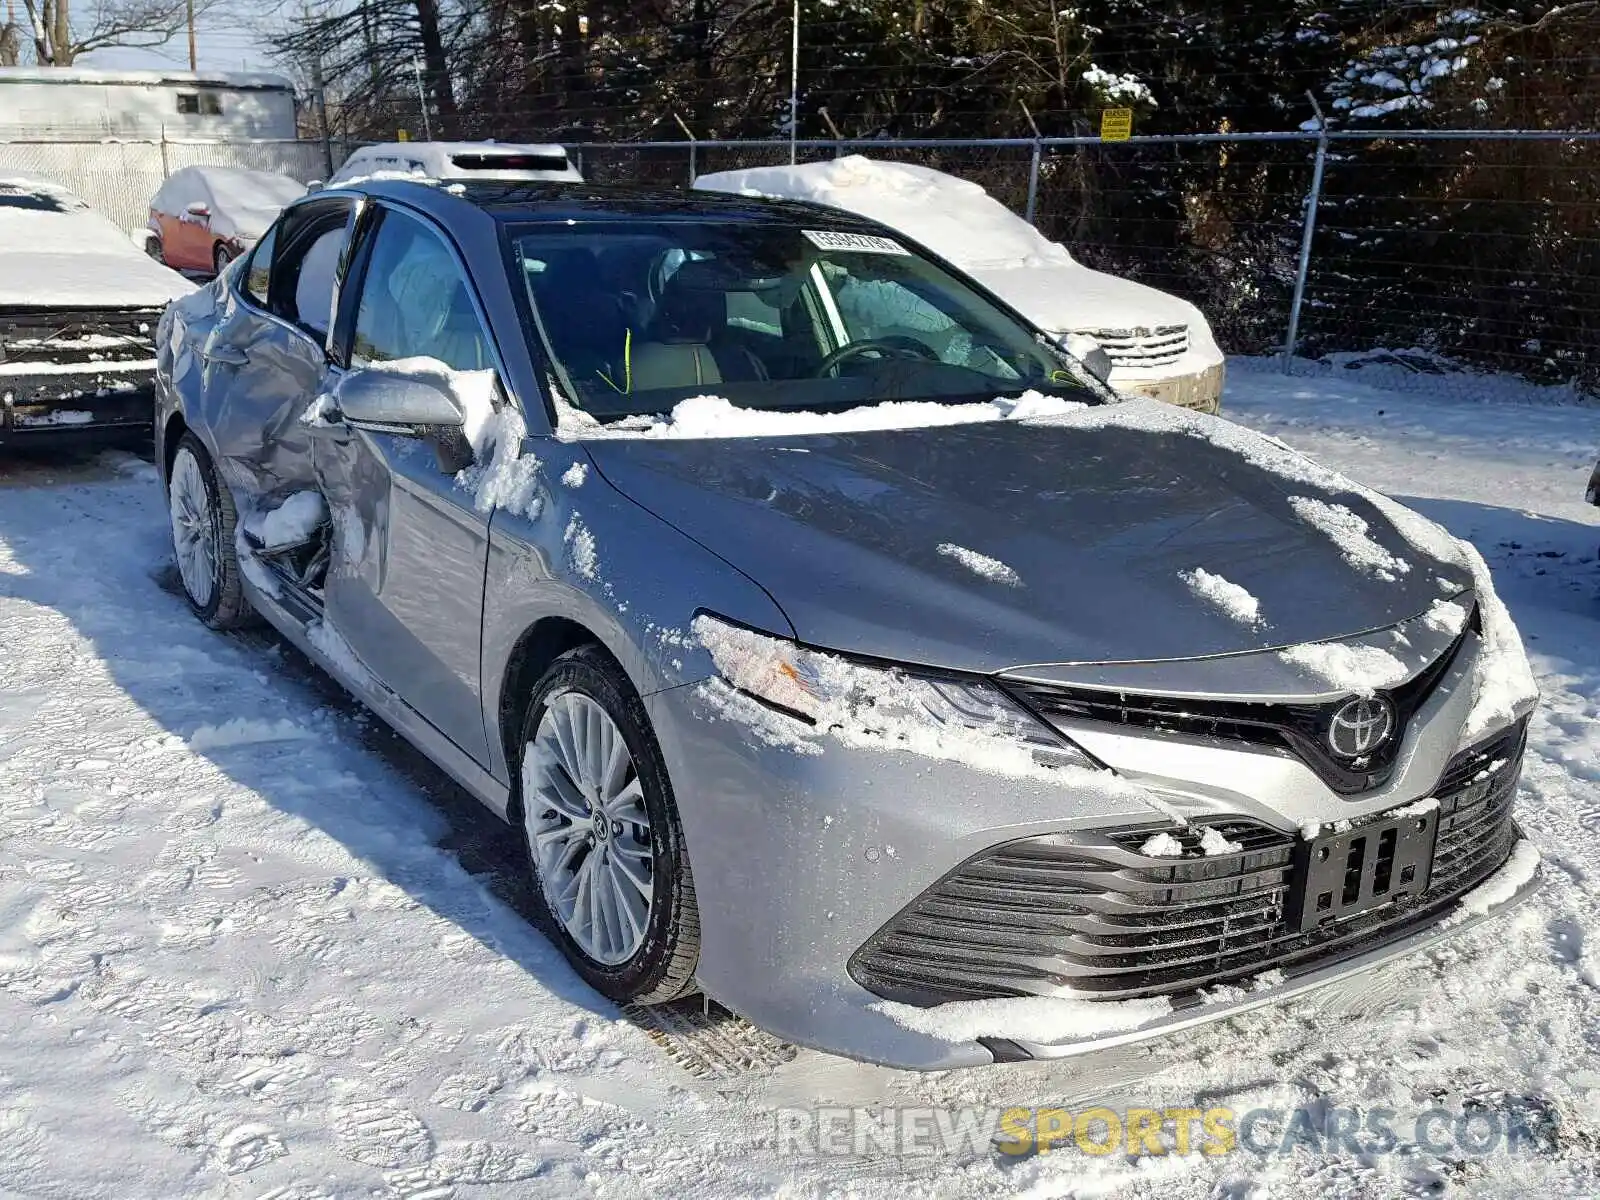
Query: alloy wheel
[
  {"x": 194, "y": 528},
  {"x": 589, "y": 828}
]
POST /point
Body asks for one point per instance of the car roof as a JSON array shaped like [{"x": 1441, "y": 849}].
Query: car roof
[{"x": 512, "y": 202}]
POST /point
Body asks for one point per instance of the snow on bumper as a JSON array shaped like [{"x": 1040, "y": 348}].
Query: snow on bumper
[{"x": 41, "y": 400}]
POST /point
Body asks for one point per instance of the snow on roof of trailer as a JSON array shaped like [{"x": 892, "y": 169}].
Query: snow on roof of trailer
[{"x": 238, "y": 80}]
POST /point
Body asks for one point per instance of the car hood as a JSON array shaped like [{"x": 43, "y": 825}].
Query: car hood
[
  {"x": 868, "y": 540},
  {"x": 1070, "y": 298}
]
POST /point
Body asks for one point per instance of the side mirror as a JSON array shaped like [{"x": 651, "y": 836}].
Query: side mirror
[
  {"x": 397, "y": 401},
  {"x": 1090, "y": 353},
  {"x": 197, "y": 208}
]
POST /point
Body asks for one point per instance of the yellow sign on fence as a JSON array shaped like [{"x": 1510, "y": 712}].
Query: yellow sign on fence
[{"x": 1116, "y": 124}]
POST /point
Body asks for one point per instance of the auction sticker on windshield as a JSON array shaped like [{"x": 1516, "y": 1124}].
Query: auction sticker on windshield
[{"x": 861, "y": 243}]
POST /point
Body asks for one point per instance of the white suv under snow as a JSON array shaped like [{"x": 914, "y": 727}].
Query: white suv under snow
[{"x": 1159, "y": 345}]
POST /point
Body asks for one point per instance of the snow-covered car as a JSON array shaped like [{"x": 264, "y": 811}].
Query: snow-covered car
[
  {"x": 1159, "y": 345},
  {"x": 916, "y": 697},
  {"x": 503, "y": 162},
  {"x": 203, "y": 218},
  {"x": 78, "y": 308}
]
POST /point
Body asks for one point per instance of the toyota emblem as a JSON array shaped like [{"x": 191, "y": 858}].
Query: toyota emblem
[{"x": 1361, "y": 726}]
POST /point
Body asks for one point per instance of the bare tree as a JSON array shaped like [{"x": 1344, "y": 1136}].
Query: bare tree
[{"x": 59, "y": 38}]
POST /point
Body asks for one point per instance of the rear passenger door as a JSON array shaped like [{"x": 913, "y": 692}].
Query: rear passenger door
[
  {"x": 405, "y": 582},
  {"x": 264, "y": 356}
]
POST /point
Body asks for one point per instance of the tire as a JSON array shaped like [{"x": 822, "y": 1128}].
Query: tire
[
  {"x": 152, "y": 247},
  {"x": 203, "y": 517},
  {"x": 221, "y": 257},
  {"x": 652, "y": 959}
]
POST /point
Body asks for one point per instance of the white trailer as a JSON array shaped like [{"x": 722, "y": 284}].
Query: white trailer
[{"x": 73, "y": 102}]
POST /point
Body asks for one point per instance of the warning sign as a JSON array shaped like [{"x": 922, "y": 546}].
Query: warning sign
[{"x": 1116, "y": 124}]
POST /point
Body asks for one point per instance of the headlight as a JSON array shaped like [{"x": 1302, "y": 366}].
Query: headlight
[{"x": 968, "y": 720}]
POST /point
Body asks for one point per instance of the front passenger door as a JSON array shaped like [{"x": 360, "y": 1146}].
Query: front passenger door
[{"x": 405, "y": 583}]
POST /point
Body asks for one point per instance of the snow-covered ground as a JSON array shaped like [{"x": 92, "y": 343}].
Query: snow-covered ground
[{"x": 251, "y": 946}]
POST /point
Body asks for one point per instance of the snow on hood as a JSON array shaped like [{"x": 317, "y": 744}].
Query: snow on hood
[
  {"x": 961, "y": 222},
  {"x": 68, "y": 255},
  {"x": 1102, "y": 515}
]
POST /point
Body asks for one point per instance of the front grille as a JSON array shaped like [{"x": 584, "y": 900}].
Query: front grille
[
  {"x": 1152, "y": 346},
  {"x": 1090, "y": 912},
  {"x": 1299, "y": 729}
]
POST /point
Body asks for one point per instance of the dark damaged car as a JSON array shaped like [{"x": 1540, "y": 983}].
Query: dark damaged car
[
  {"x": 835, "y": 644},
  {"x": 79, "y": 304}
]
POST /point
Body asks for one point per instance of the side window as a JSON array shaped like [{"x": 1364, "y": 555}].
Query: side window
[
  {"x": 313, "y": 287},
  {"x": 258, "y": 273},
  {"x": 415, "y": 301}
]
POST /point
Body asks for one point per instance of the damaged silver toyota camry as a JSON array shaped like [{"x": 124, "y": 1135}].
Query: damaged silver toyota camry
[{"x": 839, "y": 646}]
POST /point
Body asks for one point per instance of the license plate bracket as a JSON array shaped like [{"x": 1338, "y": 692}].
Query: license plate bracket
[{"x": 1346, "y": 873}]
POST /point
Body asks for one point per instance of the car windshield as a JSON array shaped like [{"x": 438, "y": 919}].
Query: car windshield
[
  {"x": 638, "y": 316},
  {"x": 15, "y": 196}
]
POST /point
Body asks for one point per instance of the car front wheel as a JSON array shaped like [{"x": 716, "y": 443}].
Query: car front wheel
[
  {"x": 222, "y": 257},
  {"x": 604, "y": 841},
  {"x": 203, "y": 519}
]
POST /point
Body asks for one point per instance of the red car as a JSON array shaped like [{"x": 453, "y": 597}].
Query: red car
[{"x": 205, "y": 217}]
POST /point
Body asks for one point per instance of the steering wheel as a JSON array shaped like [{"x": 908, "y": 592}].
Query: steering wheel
[{"x": 888, "y": 347}]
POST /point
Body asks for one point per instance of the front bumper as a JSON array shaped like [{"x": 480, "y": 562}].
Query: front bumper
[
  {"x": 75, "y": 375},
  {"x": 1199, "y": 390},
  {"x": 804, "y": 857}
]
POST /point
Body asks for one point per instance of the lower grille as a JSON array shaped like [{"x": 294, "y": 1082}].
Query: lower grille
[{"x": 1091, "y": 912}]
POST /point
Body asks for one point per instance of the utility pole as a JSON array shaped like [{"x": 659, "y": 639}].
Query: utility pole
[
  {"x": 422, "y": 99},
  {"x": 193, "y": 58},
  {"x": 794, "y": 84}
]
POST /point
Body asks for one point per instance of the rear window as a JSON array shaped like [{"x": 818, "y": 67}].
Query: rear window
[{"x": 510, "y": 162}]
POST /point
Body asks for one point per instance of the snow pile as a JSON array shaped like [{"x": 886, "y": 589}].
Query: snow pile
[
  {"x": 505, "y": 476},
  {"x": 1229, "y": 597},
  {"x": 1213, "y": 841},
  {"x": 59, "y": 416},
  {"x": 1505, "y": 687},
  {"x": 244, "y": 732},
  {"x": 1118, "y": 89},
  {"x": 1446, "y": 617},
  {"x": 1162, "y": 845},
  {"x": 581, "y": 552},
  {"x": 65, "y": 254},
  {"x": 1351, "y": 534},
  {"x": 1361, "y": 670},
  {"x": 1505, "y": 883},
  {"x": 1417, "y": 808},
  {"x": 1042, "y": 1019},
  {"x": 715, "y": 417},
  {"x": 289, "y": 524},
  {"x": 981, "y": 564},
  {"x": 242, "y": 202},
  {"x": 576, "y": 475}
]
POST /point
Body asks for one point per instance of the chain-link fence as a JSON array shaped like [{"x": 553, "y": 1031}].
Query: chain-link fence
[
  {"x": 118, "y": 177},
  {"x": 1429, "y": 255}
]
